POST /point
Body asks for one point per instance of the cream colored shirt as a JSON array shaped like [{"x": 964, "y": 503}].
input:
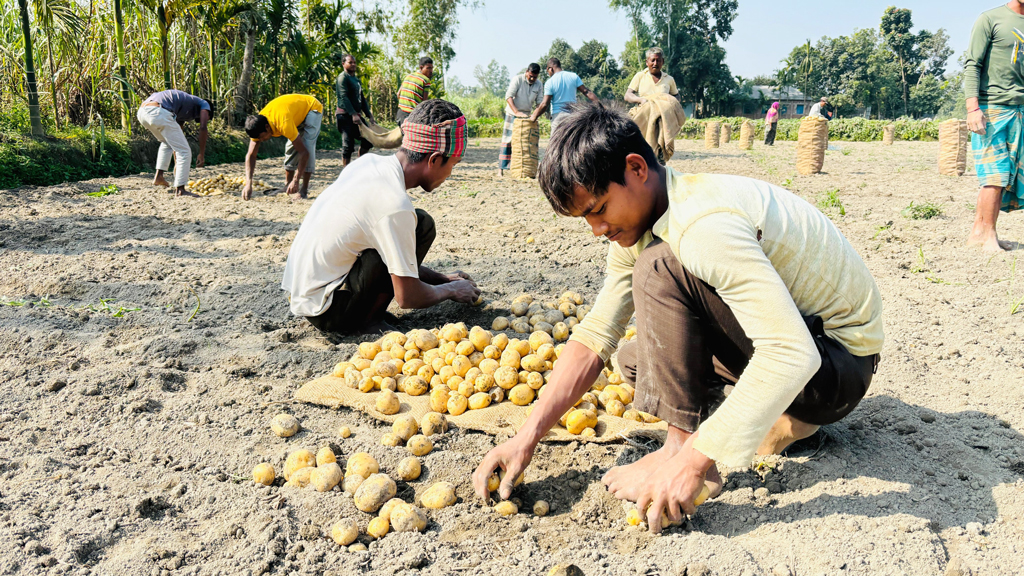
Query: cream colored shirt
[
  {"x": 801, "y": 266},
  {"x": 644, "y": 85}
]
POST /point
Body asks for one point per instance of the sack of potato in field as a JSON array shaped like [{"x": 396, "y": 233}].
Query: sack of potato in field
[
  {"x": 712, "y": 132},
  {"x": 812, "y": 141},
  {"x": 953, "y": 138},
  {"x": 726, "y": 135},
  {"x": 525, "y": 143},
  {"x": 888, "y": 135},
  {"x": 381, "y": 137},
  {"x": 746, "y": 135}
]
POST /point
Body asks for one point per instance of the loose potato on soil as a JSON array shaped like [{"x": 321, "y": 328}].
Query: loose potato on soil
[
  {"x": 298, "y": 460},
  {"x": 388, "y": 403},
  {"x": 506, "y": 508},
  {"x": 300, "y": 478},
  {"x": 263, "y": 474},
  {"x": 378, "y": 528},
  {"x": 361, "y": 464},
  {"x": 385, "y": 510},
  {"x": 408, "y": 518},
  {"x": 519, "y": 309},
  {"x": 325, "y": 456},
  {"x": 326, "y": 477},
  {"x": 541, "y": 508},
  {"x": 479, "y": 401},
  {"x": 499, "y": 323},
  {"x": 440, "y": 495},
  {"x": 521, "y": 395},
  {"x": 351, "y": 483},
  {"x": 419, "y": 445},
  {"x": 405, "y": 426},
  {"x": 374, "y": 492},
  {"x": 544, "y": 327},
  {"x": 409, "y": 468},
  {"x": 345, "y": 532},
  {"x": 433, "y": 423},
  {"x": 391, "y": 440},
  {"x": 285, "y": 425}
]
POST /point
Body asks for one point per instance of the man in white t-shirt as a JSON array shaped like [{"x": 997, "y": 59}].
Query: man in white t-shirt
[{"x": 362, "y": 243}]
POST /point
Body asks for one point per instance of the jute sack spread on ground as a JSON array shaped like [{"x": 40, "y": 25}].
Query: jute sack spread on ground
[
  {"x": 525, "y": 144},
  {"x": 726, "y": 134},
  {"x": 712, "y": 134},
  {"x": 888, "y": 134},
  {"x": 502, "y": 418},
  {"x": 381, "y": 137},
  {"x": 953, "y": 137},
  {"x": 747, "y": 135},
  {"x": 660, "y": 119},
  {"x": 812, "y": 141}
]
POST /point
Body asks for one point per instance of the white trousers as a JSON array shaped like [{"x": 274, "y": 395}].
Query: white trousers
[{"x": 165, "y": 128}]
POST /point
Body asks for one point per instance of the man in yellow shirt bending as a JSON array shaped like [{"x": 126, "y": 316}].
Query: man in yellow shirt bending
[
  {"x": 732, "y": 280},
  {"x": 297, "y": 117}
]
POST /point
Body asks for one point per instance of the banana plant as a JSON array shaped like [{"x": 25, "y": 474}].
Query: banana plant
[{"x": 61, "y": 25}]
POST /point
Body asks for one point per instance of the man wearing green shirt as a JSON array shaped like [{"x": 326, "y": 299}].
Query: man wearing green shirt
[
  {"x": 352, "y": 106},
  {"x": 994, "y": 86}
]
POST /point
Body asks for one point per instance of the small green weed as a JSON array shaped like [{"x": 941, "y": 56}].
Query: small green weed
[
  {"x": 1015, "y": 304},
  {"x": 921, "y": 264},
  {"x": 105, "y": 191},
  {"x": 829, "y": 201},
  {"x": 105, "y": 308},
  {"x": 43, "y": 302},
  {"x": 471, "y": 194},
  {"x": 846, "y": 151},
  {"x": 882, "y": 228},
  {"x": 787, "y": 182},
  {"x": 923, "y": 211}
]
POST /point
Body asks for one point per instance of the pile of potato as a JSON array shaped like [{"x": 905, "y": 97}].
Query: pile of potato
[
  {"x": 557, "y": 318},
  {"x": 470, "y": 369},
  {"x": 221, "y": 184}
]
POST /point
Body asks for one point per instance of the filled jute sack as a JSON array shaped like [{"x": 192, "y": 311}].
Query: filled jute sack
[
  {"x": 888, "y": 134},
  {"x": 726, "y": 134},
  {"x": 381, "y": 137},
  {"x": 525, "y": 143},
  {"x": 502, "y": 418},
  {"x": 953, "y": 138},
  {"x": 746, "y": 135},
  {"x": 812, "y": 140},
  {"x": 712, "y": 134}
]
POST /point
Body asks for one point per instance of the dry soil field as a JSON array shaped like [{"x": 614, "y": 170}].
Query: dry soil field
[{"x": 128, "y": 432}]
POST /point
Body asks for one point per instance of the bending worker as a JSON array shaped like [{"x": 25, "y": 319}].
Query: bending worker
[
  {"x": 362, "y": 243},
  {"x": 163, "y": 114},
  {"x": 560, "y": 91},
  {"x": 523, "y": 95},
  {"x": 297, "y": 117},
  {"x": 732, "y": 280}
]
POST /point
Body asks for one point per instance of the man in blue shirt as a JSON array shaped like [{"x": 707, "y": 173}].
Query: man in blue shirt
[
  {"x": 162, "y": 114},
  {"x": 560, "y": 91}
]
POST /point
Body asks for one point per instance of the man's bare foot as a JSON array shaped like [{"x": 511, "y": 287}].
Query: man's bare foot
[
  {"x": 625, "y": 482},
  {"x": 988, "y": 241},
  {"x": 298, "y": 197},
  {"x": 182, "y": 192},
  {"x": 784, "y": 432},
  {"x": 160, "y": 181}
]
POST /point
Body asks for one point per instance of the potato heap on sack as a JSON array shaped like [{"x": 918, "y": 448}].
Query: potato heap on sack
[
  {"x": 610, "y": 394},
  {"x": 460, "y": 369},
  {"x": 221, "y": 184},
  {"x": 557, "y": 318},
  {"x": 303, "y": 468}
]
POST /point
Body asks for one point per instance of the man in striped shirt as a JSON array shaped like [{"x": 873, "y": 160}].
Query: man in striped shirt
[{"x": 414, "y": 89}]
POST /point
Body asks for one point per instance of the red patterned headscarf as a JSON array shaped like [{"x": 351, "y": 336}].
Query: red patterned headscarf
[{"x": 448, "y": 138}]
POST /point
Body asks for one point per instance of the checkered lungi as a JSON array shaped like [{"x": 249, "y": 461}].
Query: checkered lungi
[
  {"x": 505, "y": 150},
  {"x": 998, "y": 153}
]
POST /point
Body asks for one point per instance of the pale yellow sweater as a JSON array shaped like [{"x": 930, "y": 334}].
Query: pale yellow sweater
[{"x": 802, "y": 266}]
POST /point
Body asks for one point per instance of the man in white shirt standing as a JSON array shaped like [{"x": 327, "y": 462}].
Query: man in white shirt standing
[
  {"x": 732, "y": 279},
  {"x": 362, "y": 243},
  {"x": 523, "y": 95}
]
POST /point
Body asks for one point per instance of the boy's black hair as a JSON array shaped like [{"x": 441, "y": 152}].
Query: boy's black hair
[
  {"x": 431, "y": 112},
  {"x": 213, "y": 107},
  {"x": 345, "y": 57},
  {"x": 589, "y": 149},
  {"x": 426, "y": 60},
  {"x": 533, "y": 67},
  {"x": 255, "y": 125},
  {"x": 554, "y": 62}
]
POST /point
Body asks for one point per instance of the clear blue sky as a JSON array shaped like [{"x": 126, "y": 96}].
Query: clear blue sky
[{"x": 520, "y": 31}]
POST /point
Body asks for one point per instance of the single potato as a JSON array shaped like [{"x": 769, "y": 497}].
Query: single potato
[
  {"x": 409, "y": 468},
  {"x": 326, "y": 477},
  {"x": 361, "y": 464},
  {"x": 521, "y": 395},
  {"x": 263, "y": 474},
  {"x": 378, "y": 528},
  {"x": 433, "y": 423},
  {"x": 440, "y": 495},
  {"x": 457, "y": 404},
  {"x": 298, "y": 460},
  {"x": 419, "y": 445},
  {"x": 285, "y": 425},
  {"x": 345, "y": 532},
  {"x": 506, "y": 508},
  {"x": 408, "y": 518},
  {"x": 541, "y": 508},
  {"x": 479, "y": 400},
  {"x": 325, "y": 456},
  {"x": 374, "y": 492},
  {"x": 405, "y": 426}
]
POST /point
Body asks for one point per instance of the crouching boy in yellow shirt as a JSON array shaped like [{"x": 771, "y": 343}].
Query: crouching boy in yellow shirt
[{"x": 732, "y": 280}]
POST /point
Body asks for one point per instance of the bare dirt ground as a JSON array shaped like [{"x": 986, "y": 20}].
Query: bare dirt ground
[{"x": 128, "y": 432}]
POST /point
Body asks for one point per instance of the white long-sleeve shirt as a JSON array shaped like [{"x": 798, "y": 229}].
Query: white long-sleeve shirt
[{"x": 800, "y": 266}]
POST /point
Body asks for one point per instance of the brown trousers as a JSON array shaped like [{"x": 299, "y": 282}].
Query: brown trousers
[
  {"x": 689, "y": 345},
  {"x": 352, "y": 307}
]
